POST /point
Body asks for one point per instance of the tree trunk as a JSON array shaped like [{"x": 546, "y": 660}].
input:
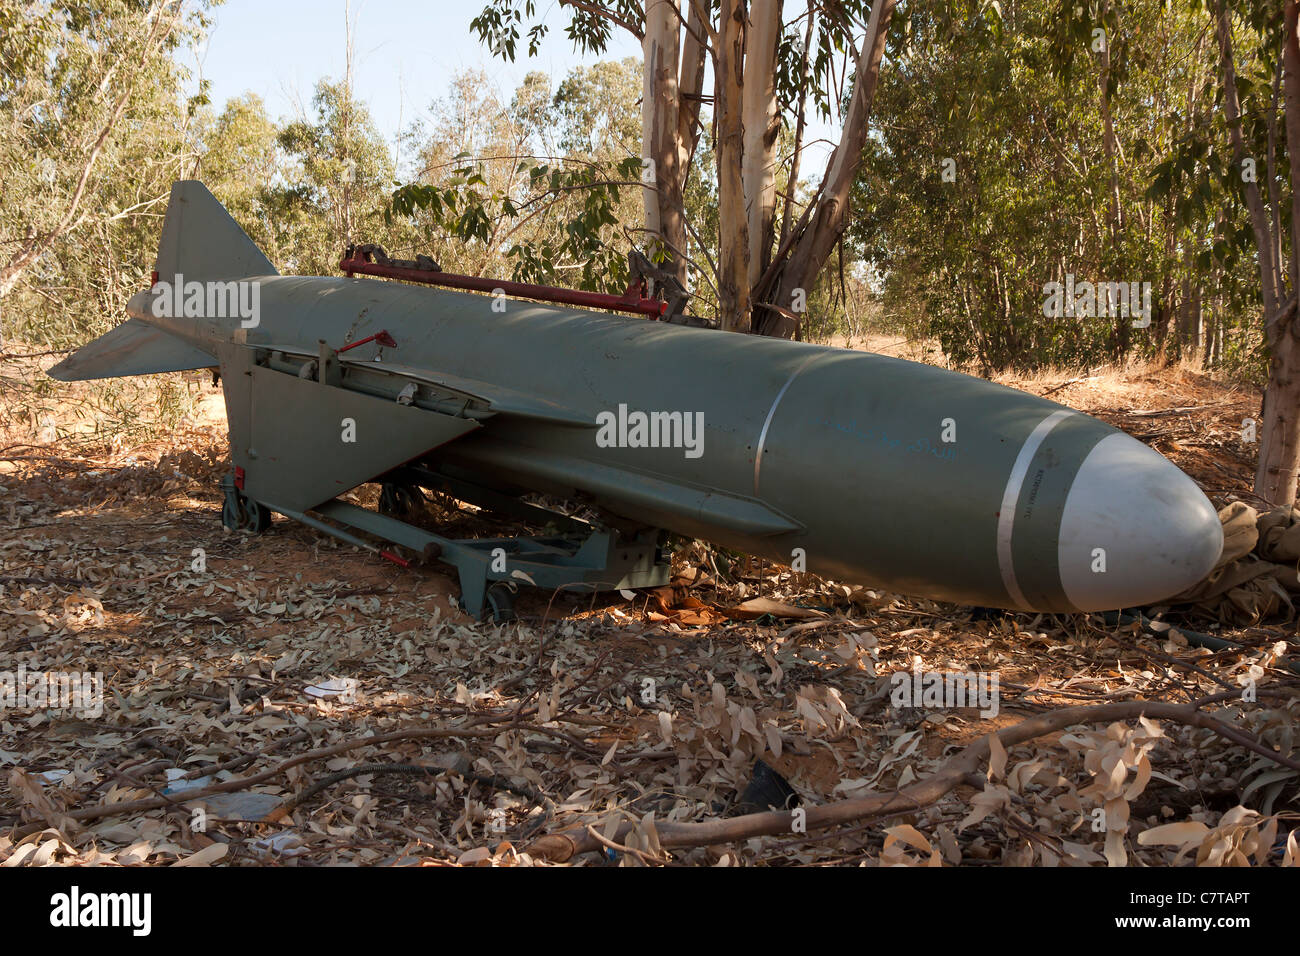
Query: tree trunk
[
  {"x": 792, "y": 180},
  {"x": 1279, "y": 446},
  {"x": 826, "y": 223},
  {"x": 1268, "y": 272},
  {"x": 660, "y": 117},
  {"x": 733, "y": 229},
  {"x": 1109, "y": 140},
  {"x": 761, "y": 127},
  {"x": 1198, "y": 317},
  {"x": 690, "y": 87}
]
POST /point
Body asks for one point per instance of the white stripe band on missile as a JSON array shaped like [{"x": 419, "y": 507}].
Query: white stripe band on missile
[
  {"x": 1011, "y": 495},
  {"x": 771, "y": 413}
]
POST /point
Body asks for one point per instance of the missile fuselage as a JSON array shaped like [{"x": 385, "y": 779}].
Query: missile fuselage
[
  {"x": 875, "y": 470},
  {"x": 864, "y": 468}
]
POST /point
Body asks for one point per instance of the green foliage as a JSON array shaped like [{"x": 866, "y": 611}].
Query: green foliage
[
  {"x": 462, "y": 206},
  {"x": 1014, "y": 109},
  {"x": 837, "y": 30},
  {"x": 63, "y": 69},
  {"x": 543, "y": 187},
  {"x": 499, "y": 25},
  {"x": 335, "y": 184},
  {"x": 597, "y": 111},
  {"x": 83, "y": 189}
]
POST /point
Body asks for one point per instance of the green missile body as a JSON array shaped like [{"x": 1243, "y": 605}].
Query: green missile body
[{"x": 872, "y": 470}]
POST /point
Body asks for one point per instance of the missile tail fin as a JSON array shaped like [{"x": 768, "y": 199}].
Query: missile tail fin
[
  {"x": 132, "y": 348},
  {"x": 201, "y": 241}
]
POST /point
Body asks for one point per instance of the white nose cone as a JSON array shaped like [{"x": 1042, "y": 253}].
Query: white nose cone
[{"x": 1135, "y": 530}]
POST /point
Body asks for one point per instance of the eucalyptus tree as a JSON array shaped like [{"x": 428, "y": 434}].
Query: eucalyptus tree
[
  {"x": 772, "y": 65},
  {"x": 337, "y": 177},
  {"x": 78, "y": 81},
  {"x": 539, "y": 183},
  {"x": 1264, "y": 147}
]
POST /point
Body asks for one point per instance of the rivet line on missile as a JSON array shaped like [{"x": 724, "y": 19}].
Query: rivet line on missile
[
  {"x": 771, "y": 413},
  {"x": 1007, "y": 514}
]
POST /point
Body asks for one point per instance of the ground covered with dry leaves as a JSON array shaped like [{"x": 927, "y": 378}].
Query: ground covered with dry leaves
[{"x": 287, "y": 700}]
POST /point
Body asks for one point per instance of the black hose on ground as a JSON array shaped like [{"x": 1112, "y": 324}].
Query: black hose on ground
[{"x": 1194, "y": 638}]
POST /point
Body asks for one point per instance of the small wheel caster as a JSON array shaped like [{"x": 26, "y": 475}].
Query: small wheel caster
[
  {"x": 399, "y": 501},
  {"x": 501, "y": 600},
  {"x": 241, "y": 513},
  {"x": 257, "y": 517},
  {"x": 232, "y": 513}
]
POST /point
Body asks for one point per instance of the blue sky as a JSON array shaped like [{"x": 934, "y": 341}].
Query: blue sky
[{"x": 406, "y": 52}]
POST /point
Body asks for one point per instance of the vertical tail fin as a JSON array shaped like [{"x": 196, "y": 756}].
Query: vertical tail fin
[{"x": 201, "y": 241}]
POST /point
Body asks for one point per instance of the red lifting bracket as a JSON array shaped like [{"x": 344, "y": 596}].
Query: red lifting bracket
[{"x": 357, "y": 260}]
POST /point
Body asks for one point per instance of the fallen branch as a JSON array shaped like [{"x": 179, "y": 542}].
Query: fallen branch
[
  {"x": 645, "y": 858},
  {"x": 559, "y": 847},
  {"x": 1069, "y": 382},
  {"x": 31, "y": 355}
]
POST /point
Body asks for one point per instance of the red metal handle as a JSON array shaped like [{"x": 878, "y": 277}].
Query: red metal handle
[
  {"x": 628, "y": 302},
  {"x": 382, "y": 337}
]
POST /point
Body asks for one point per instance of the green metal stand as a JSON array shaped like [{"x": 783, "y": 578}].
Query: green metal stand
[{"x": 583, "y": 558}]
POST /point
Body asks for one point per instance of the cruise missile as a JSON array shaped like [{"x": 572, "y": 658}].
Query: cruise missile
[{"x": 863, "y": 468}]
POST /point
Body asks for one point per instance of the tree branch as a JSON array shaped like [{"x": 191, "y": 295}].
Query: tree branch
[
  {"x": 558, "y": 847},
  {"x": 604, "y": 14}
]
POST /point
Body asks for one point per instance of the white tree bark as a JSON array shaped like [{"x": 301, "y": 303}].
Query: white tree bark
[
  {"x": 691, "y": 85},
  {"x": 733, "y": 229},
  {"x": 761, "y": 128},
  {"x": 659, "y": 104}
]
